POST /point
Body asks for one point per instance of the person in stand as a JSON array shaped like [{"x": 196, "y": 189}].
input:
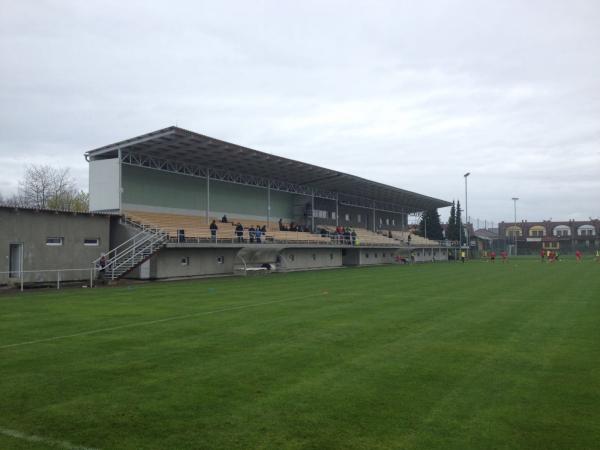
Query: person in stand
[
  {"x": 492, "y": 256},
  {"x": 408, "y": 240},
  {"x": 578, "y": 255},
  {"x": 258, "y": 234},
  {"x": 504, "y": 256},
  {"x": 239, "y": 231},
  {"x": 102, "y": 271},
  {"x": 213, "y": 230},
  {"x": 347, "y": 236},
  {"x": 264, "y": 229},
  {"x": 251, "y": 234},
  {"x": 281, "y": 227},
  {"x": 353, "y": 235},
  {"x": 390, "y": 235},
  {"x": 224, "y": 219}
]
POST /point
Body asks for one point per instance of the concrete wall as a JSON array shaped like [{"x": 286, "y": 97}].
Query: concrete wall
[
  {"x": 309, "y": 258},
  {"x": 32, "y": 228},
  {"x": 189, "y": 262}
]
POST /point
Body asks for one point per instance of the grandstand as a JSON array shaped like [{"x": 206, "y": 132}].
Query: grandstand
[{"x": 170, "y": 185}]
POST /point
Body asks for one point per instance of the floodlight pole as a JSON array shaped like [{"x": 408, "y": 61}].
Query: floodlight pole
[
  {"x": 467, "y": 210},
  {"x": 514, "y": 199}
]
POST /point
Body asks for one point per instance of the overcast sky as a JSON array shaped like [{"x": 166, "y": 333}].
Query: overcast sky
[{"x": 413, "y": 94}]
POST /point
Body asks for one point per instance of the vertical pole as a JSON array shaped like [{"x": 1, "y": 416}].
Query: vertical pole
[
  {"x": 337, "y": 209},
  {"x": 120, "y": 183},
  {"x": 21, "y": 256},
  {"x": 312, "y": 211},
  {"x": 467, "y": 215},
  {"x": 268, "y": 203},
  {"x": 58, "y": 279},
  {"x": 207, "y": 196},
  {"x": 374, "y": 218},
  {"x": 91, "y": 277}
]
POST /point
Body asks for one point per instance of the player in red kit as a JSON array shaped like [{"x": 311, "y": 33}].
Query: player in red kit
[{"x": 504, "y": 256}]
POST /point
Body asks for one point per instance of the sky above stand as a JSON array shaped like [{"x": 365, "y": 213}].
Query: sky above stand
[{"x": 412, "y": 94}]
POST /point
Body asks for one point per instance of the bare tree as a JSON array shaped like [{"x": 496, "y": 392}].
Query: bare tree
[{"x": 50, "y": 187}]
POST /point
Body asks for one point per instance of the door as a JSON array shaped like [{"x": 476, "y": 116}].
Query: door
[{"x": 15, "y": 262}]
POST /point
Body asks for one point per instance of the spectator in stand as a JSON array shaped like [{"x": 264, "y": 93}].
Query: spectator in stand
[
  {"x": 347, "y": 236},
  {"x": 213, "y": 230},
  {"x": 239, "y": 231},
  {"x": 390, "y": 235},
  {"x": 251, "y": 234},
  {"x": 224, "y": 218},
  {"x": 353, "y": 235},
  {"x": 263, "y": 229},
  {"x": 281, "y": 227},
  {"x": 408, "y": 240},
  {"x": 258, "y": 234}
]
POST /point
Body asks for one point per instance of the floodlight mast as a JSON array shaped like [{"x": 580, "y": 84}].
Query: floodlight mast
[
  {"x": 514, "y": 199},
  {"x": 467, "y": 211}
]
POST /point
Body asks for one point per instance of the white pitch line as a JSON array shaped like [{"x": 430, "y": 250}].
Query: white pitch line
[
  {"x": 42, "y": 440},
  {"x": 151, "y": 322}
]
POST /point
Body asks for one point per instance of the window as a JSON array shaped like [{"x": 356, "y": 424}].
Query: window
[
  {"x": 185, "y": 261},
  {"x": 91, "y": 242},
  {"x": 291, "y": 257},
  {"x": 331, "y": 256},
  {"x": 366, "y": 255},
  {"x": 384, "y": 255},
  {"x": 333, "y": 216},
  {"x": 380, "y": 221},
  {"x": 314, "y": 257},
  {"x": 387, "y": 221},
  {"x": 393, "y": 221},
  {"x": 320, "y": 214},
  {"x": 220, "y": 259},
  {"x": 54, "y": 241},
  {"x": 375, "y": 255},
  {"x": 358, "y": 218},
  {"x": 347, "y": 217}
]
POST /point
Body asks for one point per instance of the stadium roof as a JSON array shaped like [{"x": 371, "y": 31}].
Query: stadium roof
[{"x": 187, "y": 147}]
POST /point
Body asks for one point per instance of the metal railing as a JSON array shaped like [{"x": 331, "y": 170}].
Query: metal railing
[
  {"x": 58, "y": 277},
  {"x": 133, "y": 251}
]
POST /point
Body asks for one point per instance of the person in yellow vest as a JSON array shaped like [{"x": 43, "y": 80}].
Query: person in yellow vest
[{"x": 463, "y": 254}]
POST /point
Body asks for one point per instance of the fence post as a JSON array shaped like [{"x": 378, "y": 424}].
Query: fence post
[
  {"x": 91, "y": 277},
  {"x": 58, "y": 279},
  {"x": 21, "y": 279}
]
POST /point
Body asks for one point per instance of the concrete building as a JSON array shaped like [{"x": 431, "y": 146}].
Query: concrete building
[
  {"x": 41, "y": 241},
  {"x": 564, "y": 236}
]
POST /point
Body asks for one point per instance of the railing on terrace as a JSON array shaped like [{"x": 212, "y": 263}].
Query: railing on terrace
[{"x": 54, "y": 276}]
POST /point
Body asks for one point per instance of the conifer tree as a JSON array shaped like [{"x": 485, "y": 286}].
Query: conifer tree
[
  {"x": 458, "y": 223},
  {"x": 451, "y": 233}
]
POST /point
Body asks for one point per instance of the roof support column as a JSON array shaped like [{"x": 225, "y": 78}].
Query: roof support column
[
  {"x": 337, "y": 209},
  {"x": 120, "y": 156},
  {"x": 312, "y": 211},
  {"x": 374, "y": 218},
  {"x": 207, "y": 196},
  {"x": 268, "y": 203}
]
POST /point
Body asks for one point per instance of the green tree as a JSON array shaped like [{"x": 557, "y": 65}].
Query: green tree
[
  {"x": 458, "y": 223},
  {"x": 451, "y": 232},
  {"x": 430, "y": 226}
]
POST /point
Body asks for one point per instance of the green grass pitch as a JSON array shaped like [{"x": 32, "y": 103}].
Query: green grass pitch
[{"x": 437, "y": 356}]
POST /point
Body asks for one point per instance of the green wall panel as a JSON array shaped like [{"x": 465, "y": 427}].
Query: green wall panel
[{"x": 168, "y": 190}]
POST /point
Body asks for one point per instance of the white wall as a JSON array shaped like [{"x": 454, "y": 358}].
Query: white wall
[{"x": 104, "y": 184}]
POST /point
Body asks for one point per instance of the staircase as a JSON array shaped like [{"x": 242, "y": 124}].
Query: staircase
[{"x": 131, "y": 253}]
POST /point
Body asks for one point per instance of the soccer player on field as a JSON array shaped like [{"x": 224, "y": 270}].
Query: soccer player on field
[
  {"x": 542, "y": 254},
  {"x": 504, "y": 256},
  {"x": 578, "y": 255},
  {"x": 493, "y": 256}
]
